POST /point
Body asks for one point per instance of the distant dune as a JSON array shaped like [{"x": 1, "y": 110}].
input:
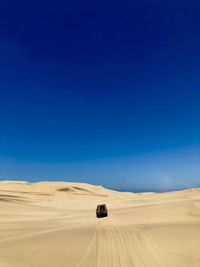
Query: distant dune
[{"x": 54, "y": 224}]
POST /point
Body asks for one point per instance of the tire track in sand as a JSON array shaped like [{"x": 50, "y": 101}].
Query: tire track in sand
[{"x": 120, "y": 246}]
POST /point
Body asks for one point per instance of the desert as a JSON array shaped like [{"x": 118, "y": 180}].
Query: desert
[{"x": 53, "y": 224}]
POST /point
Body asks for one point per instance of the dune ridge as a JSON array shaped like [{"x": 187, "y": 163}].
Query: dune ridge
[{"x": 48, "y": 224}]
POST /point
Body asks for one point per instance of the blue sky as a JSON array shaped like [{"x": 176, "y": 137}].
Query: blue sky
[{"x": 106, "y": 93}]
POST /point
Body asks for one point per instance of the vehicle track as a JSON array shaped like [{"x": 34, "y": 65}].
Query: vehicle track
[{"x": 119, "y": 246}]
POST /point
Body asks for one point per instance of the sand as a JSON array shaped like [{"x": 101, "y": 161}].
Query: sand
[{"x": 54, "y": 224}]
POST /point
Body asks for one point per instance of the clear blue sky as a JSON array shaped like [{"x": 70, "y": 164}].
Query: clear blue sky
[{"x": 101, "y": 92}]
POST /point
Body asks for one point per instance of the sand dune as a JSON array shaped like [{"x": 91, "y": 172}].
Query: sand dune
[{"x": 53, "y": 224}]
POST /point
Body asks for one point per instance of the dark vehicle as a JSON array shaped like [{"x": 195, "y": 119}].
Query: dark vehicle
[{"x": 101, "y": 211}]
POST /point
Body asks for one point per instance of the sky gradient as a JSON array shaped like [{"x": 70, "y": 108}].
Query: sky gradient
[{"x": 106, "y": 93}]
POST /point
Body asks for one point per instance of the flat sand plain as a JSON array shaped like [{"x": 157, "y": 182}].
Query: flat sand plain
[{"x": 54, "y": 224}]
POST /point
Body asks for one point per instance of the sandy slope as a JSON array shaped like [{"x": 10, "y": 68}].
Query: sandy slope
[{"x": 54, "y": 225}]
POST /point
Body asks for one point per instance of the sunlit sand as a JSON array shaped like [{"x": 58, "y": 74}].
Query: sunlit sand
[{"x": 54, "y": 224}]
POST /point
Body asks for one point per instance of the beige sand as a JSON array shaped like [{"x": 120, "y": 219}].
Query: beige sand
[{"x": 50, "y": 224}]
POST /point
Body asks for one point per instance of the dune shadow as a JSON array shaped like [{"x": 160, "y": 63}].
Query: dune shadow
[
  {"x": 66, "y": 189},
  {"x": 9, "y": 198},
  {"x": 81, "y": 189}
]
